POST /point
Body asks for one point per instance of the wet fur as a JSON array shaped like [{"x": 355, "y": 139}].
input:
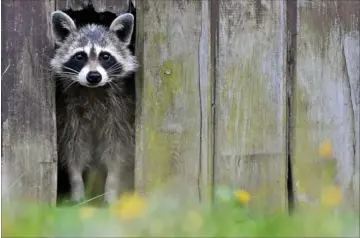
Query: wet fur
[{"x": 96, "y": 125}]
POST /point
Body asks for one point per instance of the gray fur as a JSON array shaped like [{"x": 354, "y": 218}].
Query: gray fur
[{"x": 95, "y": 125}]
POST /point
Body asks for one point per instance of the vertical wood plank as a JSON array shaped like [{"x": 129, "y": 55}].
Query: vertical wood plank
[
  {"x": 174, "y": 125},
  {"x": 327, "y": 100},
  {"x": 206, "y": 88},
  {"x": 29, "y": 158},
  {"x": 115, "y": 6},
  {"x": 250, "y": 99}
]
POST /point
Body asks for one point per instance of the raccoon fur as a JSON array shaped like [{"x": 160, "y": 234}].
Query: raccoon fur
[{"x": 95, "y": 110}]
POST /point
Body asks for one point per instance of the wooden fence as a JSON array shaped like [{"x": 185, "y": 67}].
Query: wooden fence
[{"x": 239, "y": 93}]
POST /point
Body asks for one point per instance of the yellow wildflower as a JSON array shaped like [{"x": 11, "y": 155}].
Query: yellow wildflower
[
  {"x": 86, "y": 212},
  {"x": 130, "y": 206},
  {"x": 242, "y": 196},
  {"x": 331, "y": 196},
  {"x": 325, "y": 149}
]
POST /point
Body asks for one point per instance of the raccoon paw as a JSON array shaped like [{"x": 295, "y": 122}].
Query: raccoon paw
[
  {"x": 77, "y": 196},
  {"x": 110, "y": 197}
]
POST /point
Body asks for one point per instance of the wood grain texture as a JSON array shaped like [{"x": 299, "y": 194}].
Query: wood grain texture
[
  {"x": 29, "y": 158},
  {"x": 174, "y": 125},
  {"x": 327, "y": 100},
  {"x": 250, "y": 99},
  {"x": 115, "y": 6}
]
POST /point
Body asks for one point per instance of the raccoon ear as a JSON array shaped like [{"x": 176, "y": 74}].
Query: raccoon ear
[
  {"x": 123, "y": 27},
  {"x": 62, "y": 25}
]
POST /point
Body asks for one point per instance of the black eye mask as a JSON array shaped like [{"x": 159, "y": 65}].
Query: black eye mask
[
  {"x": 75, "y": 63},
  {"x": 109, "y": 63}
]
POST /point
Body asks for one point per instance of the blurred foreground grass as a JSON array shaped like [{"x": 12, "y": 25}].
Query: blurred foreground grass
[{"x": 161, "y": 216}]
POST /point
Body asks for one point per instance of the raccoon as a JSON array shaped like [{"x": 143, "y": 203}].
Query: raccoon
[{"x": 95, "y": 110}]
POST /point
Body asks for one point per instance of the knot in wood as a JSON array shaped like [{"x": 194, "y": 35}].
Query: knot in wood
[{"x": 168, "y": 71}]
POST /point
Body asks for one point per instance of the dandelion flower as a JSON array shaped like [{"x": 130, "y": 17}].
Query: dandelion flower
[
  {"x": 331, "y": 196},
  {"x": 130, "y": 206},
  {"x": 242, "y": 196},
  {"x": 325, "y": 149}
]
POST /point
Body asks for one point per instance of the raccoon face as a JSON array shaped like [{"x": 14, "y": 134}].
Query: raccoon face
[{"x": 92, "y": 55}]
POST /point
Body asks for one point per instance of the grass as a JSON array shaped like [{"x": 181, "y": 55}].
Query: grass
[
  {"x": 164, "y": 216},
  {"x": 233, "y": 214}
]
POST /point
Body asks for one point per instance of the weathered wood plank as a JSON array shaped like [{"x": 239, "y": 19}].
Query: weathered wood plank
[
  {"x": 29, "y": 158},
  {"x": 115, "y": 6},
  {"x": 172, "y": 137},
  {"x": 327, "y": 99},
  {"x": 250, "y": 99}
]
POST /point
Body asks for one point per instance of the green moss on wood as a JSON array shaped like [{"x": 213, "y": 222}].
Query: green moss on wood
[
  {"x": 248, "y": 107},
  {"x": 159, "y": 38},
  {"x": 163, "y": 146},
  {"x": 249, "y": 125}
]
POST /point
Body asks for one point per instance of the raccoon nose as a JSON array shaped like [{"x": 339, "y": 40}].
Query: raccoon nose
[{"x": 93, "y": 77}]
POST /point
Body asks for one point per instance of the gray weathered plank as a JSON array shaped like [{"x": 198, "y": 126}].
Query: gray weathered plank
[
  {"x": 172, "y": 135},
  {"x": 250, "y": 99},
  {"x": 29, "y": 158},
  {"x": 327, "y": 100},
  {"x": 115, "y": 6}
]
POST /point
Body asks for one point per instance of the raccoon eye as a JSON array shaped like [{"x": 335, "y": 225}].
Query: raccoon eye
[
  {"x": 79, "y": 56},
  {"x": 105, "y": 56}
]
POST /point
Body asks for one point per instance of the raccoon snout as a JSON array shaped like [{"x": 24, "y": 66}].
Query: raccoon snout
[{"x": 93, "y": 77}]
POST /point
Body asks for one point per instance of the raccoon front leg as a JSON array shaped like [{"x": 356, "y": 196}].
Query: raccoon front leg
[
  {"x": 115, "y": 158},
  {"x": 112, "y": 183},
  {"x": 75, "y": 153},
  {"x": 120, "y": 174},
  {"x": 76, "y": 183},
  {"x": 77, "y": 163}
]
